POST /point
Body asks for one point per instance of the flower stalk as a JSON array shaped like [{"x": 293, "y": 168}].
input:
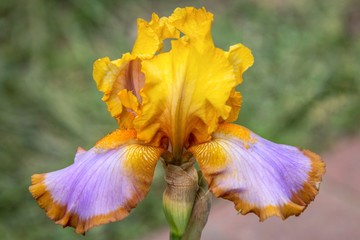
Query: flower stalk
[{"x": 200, "y": 212}]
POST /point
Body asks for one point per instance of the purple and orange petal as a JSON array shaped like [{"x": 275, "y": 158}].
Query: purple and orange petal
[
  {"x": 259, "y": 176},
  {"x": 101, "y": 186}
]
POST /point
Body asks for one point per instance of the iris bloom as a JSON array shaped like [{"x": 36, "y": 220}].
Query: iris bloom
[{"x": 172, "y": 105}]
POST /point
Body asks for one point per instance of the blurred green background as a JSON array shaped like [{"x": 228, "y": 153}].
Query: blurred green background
[{"x": 302, "y": 90}]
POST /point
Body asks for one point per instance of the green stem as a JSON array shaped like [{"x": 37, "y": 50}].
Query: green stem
[{"x": 174, "y": 236}]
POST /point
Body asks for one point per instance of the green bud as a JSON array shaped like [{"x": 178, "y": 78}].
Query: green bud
[{"x": 179, "y": 196}]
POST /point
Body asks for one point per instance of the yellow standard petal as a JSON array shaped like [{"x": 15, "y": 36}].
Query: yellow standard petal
[
  {"x": 120, "y": 81},
  {"x": 234, "y": 102},
  {"x": 241, "y": 58},
  {"x": 151, "y": 35},
  {"x": 185, "y": 94},
  {"x": 195, "y": 24}
]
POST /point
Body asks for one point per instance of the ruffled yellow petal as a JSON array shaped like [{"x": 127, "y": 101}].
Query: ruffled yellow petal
[
  {"x": 188, "y": 90},
  {"x": 185, "y": 93},
  {"x": 121, "y": 80},
  {"x": 151, "y": 35},
  {"x": 129, "y": 100},
  {"x": 194, "y": 23},
  {"x": 234, "y": 102},
  {"x": 113, "y": 78},
  {"x": 241, "y": 58}
]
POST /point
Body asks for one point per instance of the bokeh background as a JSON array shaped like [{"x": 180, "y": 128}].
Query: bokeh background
[{"x": 302, "y": 90}]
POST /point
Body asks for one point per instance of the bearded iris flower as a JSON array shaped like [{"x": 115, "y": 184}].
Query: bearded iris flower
[{"x": 177, "y": 105}]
